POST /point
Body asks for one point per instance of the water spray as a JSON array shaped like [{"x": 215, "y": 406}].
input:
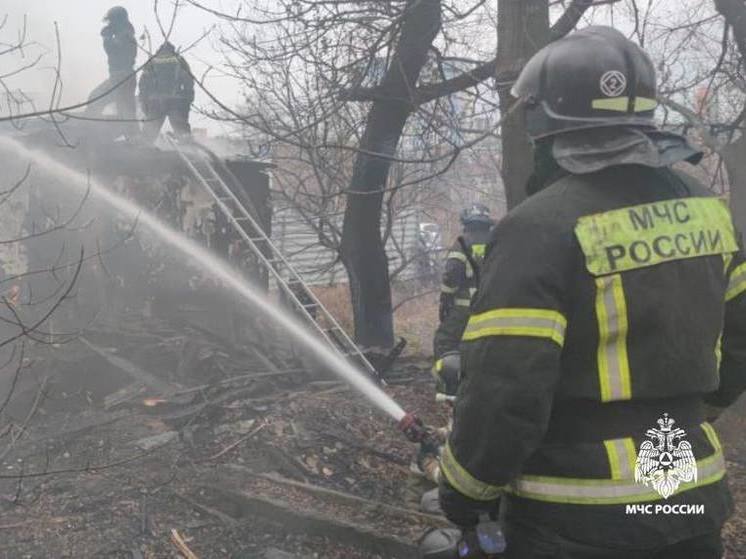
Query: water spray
[{"x": 213, "y": 264}]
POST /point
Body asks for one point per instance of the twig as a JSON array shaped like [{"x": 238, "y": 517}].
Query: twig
[
  {"x": 238, "y": 442},
  {"x": 178, "y": 541}
]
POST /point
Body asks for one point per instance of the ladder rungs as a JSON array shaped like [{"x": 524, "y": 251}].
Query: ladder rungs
[{"x": 233, "y": 208}]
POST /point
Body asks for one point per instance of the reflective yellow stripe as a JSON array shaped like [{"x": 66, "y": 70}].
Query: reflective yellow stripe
[
  {"x": 727, "y": 259},
  {"x": 737, "y": 283},
  {"x": 622, "y": 456},
  {"x": 613, "y": 363},
  {"x": 448, "y": 290},
  {"x": 608, "y": 491},
  {"x": 712, "y": 436},
  {"x": 463, "y": 481},
  {"x": 461, "y": 257},
  {"x": 164, "y": 60},
  {"x": 719, "y": 351},
  {"x": 478, "y": 250},
  {"x": 436, "y": 368},
  {"x": 621, "y": 104},
  {"x": 540, "y": 323}
]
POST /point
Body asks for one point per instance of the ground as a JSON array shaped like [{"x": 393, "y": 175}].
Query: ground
[{"x": 256, "y": 464}]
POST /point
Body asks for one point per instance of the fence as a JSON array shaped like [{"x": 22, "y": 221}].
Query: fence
[{"x": 319, "y": 265}]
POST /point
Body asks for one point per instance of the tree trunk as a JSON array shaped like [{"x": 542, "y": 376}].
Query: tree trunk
[
  {"x": 362, "y": 248},
  {"x": 734, "y": 154},
  {"x": 734, "y": 157},
  {"x": 522, "y": 29}
]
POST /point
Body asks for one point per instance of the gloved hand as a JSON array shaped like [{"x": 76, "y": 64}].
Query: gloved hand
[
  {"x": 429, "y": 450},
  {"x": 447, "y": 372}
]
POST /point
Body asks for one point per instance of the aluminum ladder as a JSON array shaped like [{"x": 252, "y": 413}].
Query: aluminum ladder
[{"x": 268, "y": 255}]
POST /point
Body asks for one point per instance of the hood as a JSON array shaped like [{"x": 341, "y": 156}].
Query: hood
[{"x": 588, "y": 151}]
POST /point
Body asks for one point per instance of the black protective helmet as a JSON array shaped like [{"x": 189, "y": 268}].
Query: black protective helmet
[
  {"x": 476, "y": 214},
  {"x": 117, "y": 14},
  {"x": 593, "y": 78}
]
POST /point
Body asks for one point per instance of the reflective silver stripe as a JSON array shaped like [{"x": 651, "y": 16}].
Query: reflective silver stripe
[
  {"x": 463, "y": 302},
  {"x": 737, "y": 282},
  {"x": 447, "y": 289},
  {"x": 541, "y": 323},
  {"x": 607, "y": 491},
  {"x": 613, "y": 363}
]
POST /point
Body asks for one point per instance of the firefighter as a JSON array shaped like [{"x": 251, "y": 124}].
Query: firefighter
[
  {"x": 121, "y": 49},
  {"x": 166, "y": 90},
  {"x": 459, "y": 279},
  {"x": 458, "y": 287},
  {"x": 608, "y": 330}
]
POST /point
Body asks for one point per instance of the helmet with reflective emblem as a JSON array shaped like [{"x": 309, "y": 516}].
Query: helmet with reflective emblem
[
  {"x": 476, "y": 213},
  {"x": 593, "y": 78}
]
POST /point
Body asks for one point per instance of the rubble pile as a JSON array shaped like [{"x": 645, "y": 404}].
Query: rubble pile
[{"x": 156, "y": 435}]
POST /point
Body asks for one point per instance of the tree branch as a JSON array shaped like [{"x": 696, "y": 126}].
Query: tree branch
[{"x": 429, "y": 92}]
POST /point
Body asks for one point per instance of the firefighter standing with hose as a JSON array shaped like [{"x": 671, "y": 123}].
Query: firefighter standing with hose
[
  {"x": 608, "y": 330},
  {"x": 459, "y": 284}
]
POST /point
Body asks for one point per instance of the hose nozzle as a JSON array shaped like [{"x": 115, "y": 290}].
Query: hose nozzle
[{"x": 413, "y": 428}]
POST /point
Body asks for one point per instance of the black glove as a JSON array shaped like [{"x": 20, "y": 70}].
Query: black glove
[
  {"x": 461, "y": 510},
  {"x": 429, "y": 449}
]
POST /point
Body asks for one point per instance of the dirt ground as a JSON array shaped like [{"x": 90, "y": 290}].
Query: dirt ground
[{"x": 275, "y": 464}]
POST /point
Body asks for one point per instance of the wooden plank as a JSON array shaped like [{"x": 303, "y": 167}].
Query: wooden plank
[{"x": 239, "y": 504}]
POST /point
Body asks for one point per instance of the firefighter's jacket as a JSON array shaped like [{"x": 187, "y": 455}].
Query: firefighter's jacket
[
  {"x": 459, "y": 277},
  {"x": 606, "y": 301},
  {"x": 166, "y": 77},
  {"x": 120, "y": 46}
]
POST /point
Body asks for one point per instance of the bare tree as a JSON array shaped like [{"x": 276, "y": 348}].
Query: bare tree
[{"x": 376, "y": 67}]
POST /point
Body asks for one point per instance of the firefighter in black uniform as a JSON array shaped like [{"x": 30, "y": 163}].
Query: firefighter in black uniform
[
  {"x": 121, "y": 50},
  {"x": 459, "y": 279},
  {"x": 166, "y": 90},
  {"x": 609, "y": 328}
]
